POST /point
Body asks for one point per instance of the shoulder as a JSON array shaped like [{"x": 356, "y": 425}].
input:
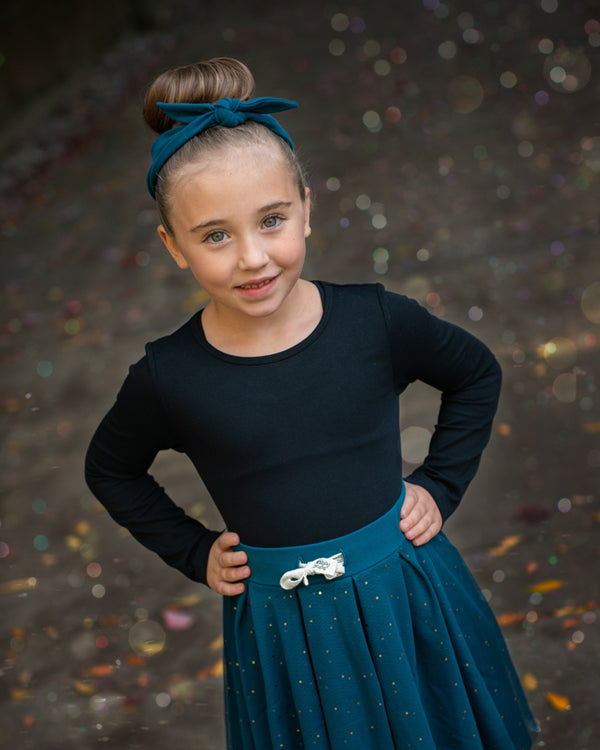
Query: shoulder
[
  {"x": 160, "y": 354},
  {"x": 398, "y": 310},
  {"x": 179, "y": 337},
  {"x": 369, "y": 292},
  {"x": 174, "y": 347},
  {"x": 345, "y": 291},
  {"x": 352, "y": 295}
]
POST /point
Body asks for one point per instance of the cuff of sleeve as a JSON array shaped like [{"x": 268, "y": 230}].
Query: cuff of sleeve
[
  {"x": 199, "y": 558},
  {"x": 436, "y": 490}
]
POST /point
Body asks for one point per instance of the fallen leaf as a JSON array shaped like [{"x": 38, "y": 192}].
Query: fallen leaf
[
  {"x": 175, "y": 619},
  {"x": 108, "y": 620},
  {"x": 559, "y": 702},
  {"x": 544, "y": 587},
  {"x": 217, "y": 644},
  {"x": 215, "y": 671},
  {"x": 188, "y": 601},
  {"x": 575, "y": 609},
  {"x": 510, "y": 618},
  {"x": 135, "y": 660},
  {"x": 505, "y": 545},
  {"x": 18, "y": 584},
  {"x": 84, "y": 687},
  {"x": 100, "y": 670},
  {"x": 529, "y": 681},
  {"x": 19, "y": 694}
]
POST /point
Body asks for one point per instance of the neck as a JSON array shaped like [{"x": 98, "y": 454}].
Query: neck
[{"x": 245, "y": 335}]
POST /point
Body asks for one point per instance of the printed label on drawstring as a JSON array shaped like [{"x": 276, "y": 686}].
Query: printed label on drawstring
[{"x": 330, "y": 567}]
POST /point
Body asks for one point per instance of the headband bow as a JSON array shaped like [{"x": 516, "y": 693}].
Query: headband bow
[{"x": 202, "y": 116}]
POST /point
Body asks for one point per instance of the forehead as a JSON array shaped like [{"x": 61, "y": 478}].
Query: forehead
[
  {"x": 246, "y": 162},
  {"x": 223, "y": 174}
]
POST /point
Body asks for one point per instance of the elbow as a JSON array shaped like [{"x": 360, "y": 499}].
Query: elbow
[
  {"x": 495, "y": 375},
  {"x": 93, "y": 471},
  {"x": 494, "y": 370},
  {"x": 91, "y": 474}
]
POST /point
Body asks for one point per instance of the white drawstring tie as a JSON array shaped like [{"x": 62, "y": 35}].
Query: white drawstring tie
[{"x": 330, "y": 567}]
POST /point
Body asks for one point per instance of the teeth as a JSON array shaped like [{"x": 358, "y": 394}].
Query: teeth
[{"x": 255, "y": 286}]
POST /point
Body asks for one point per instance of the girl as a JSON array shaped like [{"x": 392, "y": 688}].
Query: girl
[{"x": 350, "y": 621}]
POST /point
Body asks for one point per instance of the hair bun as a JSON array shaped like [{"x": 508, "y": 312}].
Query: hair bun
[{"x": 206, "y": 81}]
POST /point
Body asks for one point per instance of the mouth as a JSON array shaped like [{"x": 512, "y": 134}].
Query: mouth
[{"x": 258, "y": 284}]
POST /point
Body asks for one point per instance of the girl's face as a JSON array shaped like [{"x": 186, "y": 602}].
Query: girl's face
[{"x": 239, "y": 224}]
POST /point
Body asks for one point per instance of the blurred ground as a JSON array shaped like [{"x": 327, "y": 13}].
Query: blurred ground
[{"x": 454, "y": 153}]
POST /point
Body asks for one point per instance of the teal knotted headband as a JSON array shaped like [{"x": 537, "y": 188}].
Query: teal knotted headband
[{"x": 201, "y": 116}]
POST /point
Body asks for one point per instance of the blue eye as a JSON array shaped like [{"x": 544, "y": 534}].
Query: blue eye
[{"x": 216, "y": 237}]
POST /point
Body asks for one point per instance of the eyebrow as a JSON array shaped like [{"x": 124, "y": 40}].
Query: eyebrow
[{"x": 262, "y": 210}]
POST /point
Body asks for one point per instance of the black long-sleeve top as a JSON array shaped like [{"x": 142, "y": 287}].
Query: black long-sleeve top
[{"x": 299, "y": 446}]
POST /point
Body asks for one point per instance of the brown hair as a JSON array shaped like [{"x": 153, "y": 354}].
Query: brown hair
[{"x": 207, "y": 81}]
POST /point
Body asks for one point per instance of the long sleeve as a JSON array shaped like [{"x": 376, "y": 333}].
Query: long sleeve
[
  {"x": 116, "y": 470},
  {"x": 468, "y": 375}
]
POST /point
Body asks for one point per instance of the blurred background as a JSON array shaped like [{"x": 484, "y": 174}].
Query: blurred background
[{"x": 453, "y": 150}]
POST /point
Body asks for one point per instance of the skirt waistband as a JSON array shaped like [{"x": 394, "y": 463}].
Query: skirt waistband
[{"x": 361, "y": 549}]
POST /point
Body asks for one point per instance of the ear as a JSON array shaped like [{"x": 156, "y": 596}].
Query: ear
[
  {"x": 171, "y": 245},
  {"x": 307, "y": 227}
]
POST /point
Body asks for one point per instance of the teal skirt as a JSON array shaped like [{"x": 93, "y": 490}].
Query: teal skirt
[{"x": 400, "y": 650}]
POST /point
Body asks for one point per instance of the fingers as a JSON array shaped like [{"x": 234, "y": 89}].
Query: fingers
[
  {"x": 227, "y": 567},
  {"x": 420, "y": 516}
]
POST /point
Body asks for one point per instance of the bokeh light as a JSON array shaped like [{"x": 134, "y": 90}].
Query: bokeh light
[
  {"x": 147, "y": 638},
  {"x": 565, "y": 387},
  {"x": 567, "y": 70},
  {"x": 590, "y": 302},
  {"x": 340, "y": 22},
  {"x": 590, "y": 153},
  {"x": 447, "y": 50},
  {"x": 465, "y": 94},
  {"x": 560, "y": 352}
]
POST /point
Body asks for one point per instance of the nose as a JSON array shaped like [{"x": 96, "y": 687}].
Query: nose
[{"x": 252, "y": 253}]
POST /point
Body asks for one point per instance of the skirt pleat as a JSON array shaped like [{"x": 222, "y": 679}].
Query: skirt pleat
[{"x": 402, "y": 651}]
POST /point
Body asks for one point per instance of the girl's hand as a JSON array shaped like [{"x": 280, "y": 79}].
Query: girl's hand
[
  {"x": 226, "y": 568},
  {"x": 420, "y": 516}
]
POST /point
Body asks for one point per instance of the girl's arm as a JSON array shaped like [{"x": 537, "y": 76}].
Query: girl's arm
[
  {"x": 455, "y": 362},
  {"x": 116, "y": 470}
]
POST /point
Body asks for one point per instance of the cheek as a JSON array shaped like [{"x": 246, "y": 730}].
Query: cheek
[
  {"x": 293, "y": 252},
  {"x": 210, "y": 272}
]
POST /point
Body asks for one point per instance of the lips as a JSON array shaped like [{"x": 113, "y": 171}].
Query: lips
[
  {"x": 258, "y": 284},
  {"x": 255, "y": 289}
]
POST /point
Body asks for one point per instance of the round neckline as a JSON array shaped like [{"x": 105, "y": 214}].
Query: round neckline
[{"x": 275, "y": 356}]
